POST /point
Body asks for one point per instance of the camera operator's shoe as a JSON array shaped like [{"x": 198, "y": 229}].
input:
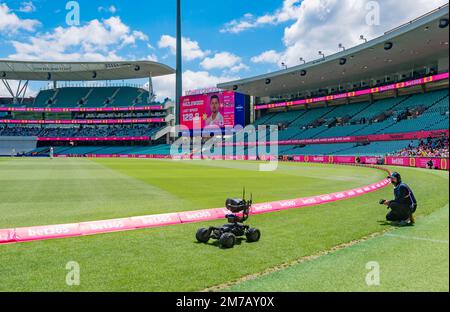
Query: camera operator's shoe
[
  {"x": 408, "y": 222},
  {"x": 403, "y": 223}
]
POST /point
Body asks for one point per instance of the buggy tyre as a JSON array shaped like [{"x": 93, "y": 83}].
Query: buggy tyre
[
  {"x": 253, "y": 235},
  {"x": 203, "y": 235},
  {"x": 227, "y": 240}
]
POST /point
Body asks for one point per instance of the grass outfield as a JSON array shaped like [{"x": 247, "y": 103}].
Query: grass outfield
[
  {"x": 423, "y": 263},
  {"x": 36, "y": 192},
  {"x": 43, "y": 191}
]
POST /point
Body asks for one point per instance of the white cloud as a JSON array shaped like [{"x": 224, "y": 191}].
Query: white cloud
[
  {"x": 152, "y": 57},
  {"x": 287, "y": 12},
  {"x": 95, "y": 41},
  {"x": 239, "y": 67},
  {"x": 27, "y": 7},
  {"x": 165, "y": 86},
  {"x": 111, "y": 9},
  {"x": 223, "y": 60},
  {"x": 320, "y": 25},
  {"x": 271, "y": 57},
  {"x": 239, "y": 25},
  {"x": 11, "y": 23},
  {"x": 191, "y": 49}
]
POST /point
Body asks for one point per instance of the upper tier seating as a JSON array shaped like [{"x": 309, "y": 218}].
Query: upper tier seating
[
  {"x": 42, "y": 98},
  {"x": 98, "y": 97},
  {"x": 67, "y": 97},
  {"x": 128, "y": 96}
]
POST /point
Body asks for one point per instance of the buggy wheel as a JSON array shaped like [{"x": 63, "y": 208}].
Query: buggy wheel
[
  {"x": 253, "y": 235},
  {"x": 227, "y": 240},
  {"x": 203, "y": 235}
]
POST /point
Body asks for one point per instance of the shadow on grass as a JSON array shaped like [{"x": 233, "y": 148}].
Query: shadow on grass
[
  {"x": 394, "y": 224},
  {"x": 215, "y": 243}
]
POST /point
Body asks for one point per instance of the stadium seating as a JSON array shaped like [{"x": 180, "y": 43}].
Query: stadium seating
[
  {"x": 73, "y": 97},
  {"x": 386, "y": 116},
  {"x": 98, "y": 131},
  {"x": 127, "y": 96},
  {"x": 108, "y": 150},
  {"x": 155, "y": 150},
  {"x": 69, "y": 97},
  {"x": 344, "y": 149},
  {"x": 42, "y": 98},
  {"x": 377, "y": 148},
  {"x": 98, "y": 97},
  {"x": 434, "y": 117}
]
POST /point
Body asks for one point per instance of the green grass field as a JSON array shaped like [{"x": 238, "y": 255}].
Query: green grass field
[{"x": 42, "y": 191}]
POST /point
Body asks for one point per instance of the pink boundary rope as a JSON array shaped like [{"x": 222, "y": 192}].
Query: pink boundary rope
[{"x": 40, "y": 233}]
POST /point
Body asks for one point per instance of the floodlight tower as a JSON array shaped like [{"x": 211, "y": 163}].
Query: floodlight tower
[{"x": 179, "y": 78}]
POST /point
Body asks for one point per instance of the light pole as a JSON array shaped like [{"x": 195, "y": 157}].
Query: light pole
[
  {"x": 302, "y": 60},
  {"x": 179, "y": 69},
  {"x": 362, "y": 38},
  {"x": 284, "y": 65}
]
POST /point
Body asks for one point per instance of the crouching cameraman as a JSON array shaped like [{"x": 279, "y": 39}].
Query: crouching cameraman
[{"x": 404, "y": 205}]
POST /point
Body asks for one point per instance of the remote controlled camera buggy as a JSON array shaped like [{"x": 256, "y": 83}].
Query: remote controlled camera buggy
[{"x": 227, "y": 234}]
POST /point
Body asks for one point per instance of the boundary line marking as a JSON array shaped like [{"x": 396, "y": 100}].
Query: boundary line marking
[
  {"x": 280, "y": 267},
  {"x": 417, "y": 238}
]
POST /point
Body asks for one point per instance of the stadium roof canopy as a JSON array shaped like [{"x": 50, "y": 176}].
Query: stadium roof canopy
[
  {"x": 414, "y": 46},
  {"x": 80, "y": 71}
]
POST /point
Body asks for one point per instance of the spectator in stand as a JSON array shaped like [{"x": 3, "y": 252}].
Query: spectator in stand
[{"x": 438, "y": 148}]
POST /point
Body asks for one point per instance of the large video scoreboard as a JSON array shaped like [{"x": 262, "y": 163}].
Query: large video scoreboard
[{"x": 222, "y": 109}]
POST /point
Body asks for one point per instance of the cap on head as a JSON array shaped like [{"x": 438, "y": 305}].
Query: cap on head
[{"x": 397, "y": 176}]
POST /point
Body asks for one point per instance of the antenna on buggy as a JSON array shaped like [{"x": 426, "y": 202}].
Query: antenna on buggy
[{"x": 243, "y": 194}]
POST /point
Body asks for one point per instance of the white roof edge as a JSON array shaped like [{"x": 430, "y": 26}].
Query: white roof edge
[
  {"x": 112, "y": 70},
  {"x": 424, "y": 19}
]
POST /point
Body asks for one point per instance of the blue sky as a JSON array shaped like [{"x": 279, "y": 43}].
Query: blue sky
[{"x": 224, "y": 40}]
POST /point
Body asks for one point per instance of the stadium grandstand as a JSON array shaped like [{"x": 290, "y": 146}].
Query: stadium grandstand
[
  {"x": 85, "y": 104},
  {"x": 316, "y": 175},
  {"x": 387, "y": 96}
]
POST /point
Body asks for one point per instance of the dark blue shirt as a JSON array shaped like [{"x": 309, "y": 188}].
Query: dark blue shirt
[{"x": 404, "y": 195}]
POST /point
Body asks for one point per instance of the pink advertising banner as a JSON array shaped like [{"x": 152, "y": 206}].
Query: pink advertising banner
[
  {"x": 399, "y": 161},
  {"x": 83, "y": 122},
  {"x": 80, "y": 109},
  {"x": 381, "y": 89},
  {"x": 418, "y": 162},
  {"x": 93, "y": 139},
  {"x": 440, "y": 163},
  {"x": 369, "y": 160}
]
